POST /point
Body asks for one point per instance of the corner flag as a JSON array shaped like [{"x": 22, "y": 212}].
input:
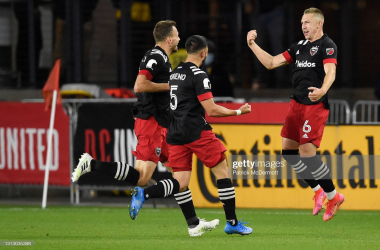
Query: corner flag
[{"x": 52, "y": 84}]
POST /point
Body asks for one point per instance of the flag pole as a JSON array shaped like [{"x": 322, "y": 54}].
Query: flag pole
[{"x": 49, "y": 150}]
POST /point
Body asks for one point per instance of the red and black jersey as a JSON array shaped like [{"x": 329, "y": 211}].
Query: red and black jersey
[
  {"x": 156, "y": 66},
  {"x": 309, "y": 59},
  {"x": 189, "y": 85}
]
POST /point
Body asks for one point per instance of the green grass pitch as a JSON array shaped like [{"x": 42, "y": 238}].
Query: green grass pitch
[{"x": 60, "y": 227}]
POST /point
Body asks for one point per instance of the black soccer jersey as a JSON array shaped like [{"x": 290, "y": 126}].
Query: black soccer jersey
[
  {"x": 188, "y": 87},
  {"x": 156, "y": 67},
  {"x": 309, "y": 59}
]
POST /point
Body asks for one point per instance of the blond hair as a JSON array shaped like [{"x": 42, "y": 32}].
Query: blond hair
[{"x": 317, "y": 13}]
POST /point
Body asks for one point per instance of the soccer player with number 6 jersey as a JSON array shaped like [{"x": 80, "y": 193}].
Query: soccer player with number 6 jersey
[{"x": 315, "y": 60}]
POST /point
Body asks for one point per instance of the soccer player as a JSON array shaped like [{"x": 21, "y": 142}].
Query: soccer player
[
  {"x": 152, "y": 114},
  {"x": 189, "y": 132},
  {"x": 314, "y": 72}
]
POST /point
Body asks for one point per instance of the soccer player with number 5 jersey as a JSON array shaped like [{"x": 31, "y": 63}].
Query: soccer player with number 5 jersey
[{"x": 188, "y": 133}]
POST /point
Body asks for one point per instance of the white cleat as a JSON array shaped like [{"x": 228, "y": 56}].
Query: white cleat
[
  {"x": 210, "y": 224},
  {"x": 82, "y": 168},
  {"x": 203, "y": 227}
]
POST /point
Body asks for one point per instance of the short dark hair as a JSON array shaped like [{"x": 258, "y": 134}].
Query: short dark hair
[
  {"x": 163, "y": 29},
  {"x": 195, "y": 43}
]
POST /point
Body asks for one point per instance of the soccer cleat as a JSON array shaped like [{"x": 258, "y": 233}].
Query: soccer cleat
[
  {"x": 238, "y": 229},
  {"x": 210, "y": 224},
  {"x": 318, "y": 202},
  {"x": 82, "y": 168},
  {"x": 137, "y": 202},
  {"x": 203, "y": 227},
  {"x": 332, "y": 206}
]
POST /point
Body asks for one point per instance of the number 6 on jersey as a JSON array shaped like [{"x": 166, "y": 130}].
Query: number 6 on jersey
[{"x": 173, "y": 96}]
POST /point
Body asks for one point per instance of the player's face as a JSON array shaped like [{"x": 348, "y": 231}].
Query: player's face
[
  {"x": 174, "y": 39},
  {"x": 309, "y": 26}
]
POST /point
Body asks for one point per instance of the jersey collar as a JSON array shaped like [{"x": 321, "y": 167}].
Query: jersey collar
[
  {"x": 160, "y": 49},
  {"x": 190, "y": 63},
  {"x": 322, "y": 37}
]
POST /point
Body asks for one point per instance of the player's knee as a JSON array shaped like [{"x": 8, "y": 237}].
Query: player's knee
[
  {"x": 142, "y": 182},
  {"x": 182, "y": 188},
  {"x": 307, "y": 152},
  {"x": 183, "y": 184},
  {"x": 144, "y": 179},
  {"x": 145, "y": 176}
]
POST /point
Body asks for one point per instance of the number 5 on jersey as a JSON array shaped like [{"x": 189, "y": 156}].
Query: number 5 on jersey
[{"x": 173, "y": 106}]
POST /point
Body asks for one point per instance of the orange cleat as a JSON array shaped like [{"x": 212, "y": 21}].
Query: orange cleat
[
  {"x": 319, "y": 198},
  {"x": 332, "y": 206}
]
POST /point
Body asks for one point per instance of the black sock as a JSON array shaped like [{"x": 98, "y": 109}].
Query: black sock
[
  {"x": 320, "y": 172},
  {"x": 299, "y": 166},
  {"x": 118, "y": 170},
  {"x": 227, "y": 197},
  {"x": 163, "y": 188},
  {"x": 185, "y": 201}
]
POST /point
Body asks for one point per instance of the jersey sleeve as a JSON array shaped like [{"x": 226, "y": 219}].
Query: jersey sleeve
[
  {"x": 202, "y": 85},
  {"x": 151, "y": 65},
  {"x": 290, "y": 54},
  {"x": 330, "y": 53}
]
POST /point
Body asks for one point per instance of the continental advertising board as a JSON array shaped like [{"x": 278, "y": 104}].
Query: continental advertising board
[{"x": 351, "y": 152}]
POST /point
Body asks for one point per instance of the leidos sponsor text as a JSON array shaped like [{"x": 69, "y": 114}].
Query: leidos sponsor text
[{"x": 305, "y": 64}]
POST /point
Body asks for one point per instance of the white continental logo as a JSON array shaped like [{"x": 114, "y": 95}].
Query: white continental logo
[
  {"x": 150, "y": 63},
  {"x": 206, "y": 83},
  {"x": 305, "y": 64}
]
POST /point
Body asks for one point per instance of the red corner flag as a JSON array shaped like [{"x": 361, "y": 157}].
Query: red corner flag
[{"x": 52, "y": 84}]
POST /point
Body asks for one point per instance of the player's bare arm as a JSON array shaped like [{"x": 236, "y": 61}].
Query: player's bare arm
[
  {"x": 215, "y": 110},
  {"x": 269, "y": 61},
  {"x": 142, "y": 84},
  {"x": 316, "y": 94}
]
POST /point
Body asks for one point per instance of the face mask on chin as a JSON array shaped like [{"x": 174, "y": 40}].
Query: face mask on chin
[{"x": 209, "y": 59}]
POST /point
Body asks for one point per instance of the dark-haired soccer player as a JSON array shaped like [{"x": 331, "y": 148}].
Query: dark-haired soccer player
[
  {"x": 152, "y": 115},
  {"x": 188, "y": 133},
  {"x": 151, "y": 112},
  {"x": 314, "y": 72}
]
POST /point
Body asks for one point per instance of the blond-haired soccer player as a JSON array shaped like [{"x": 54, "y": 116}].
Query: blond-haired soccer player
[{"x": 315, "y": 60}]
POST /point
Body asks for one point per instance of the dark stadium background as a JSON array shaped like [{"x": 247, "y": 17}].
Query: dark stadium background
[{"x": 102, "y": 41}]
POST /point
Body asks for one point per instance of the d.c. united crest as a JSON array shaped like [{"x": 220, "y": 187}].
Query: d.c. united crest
[
  {"x": 158, "y": 152},
  {"x": 313, "y": 50}
]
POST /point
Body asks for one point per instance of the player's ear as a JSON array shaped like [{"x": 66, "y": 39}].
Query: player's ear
[{"x": 320, "y": 24}]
